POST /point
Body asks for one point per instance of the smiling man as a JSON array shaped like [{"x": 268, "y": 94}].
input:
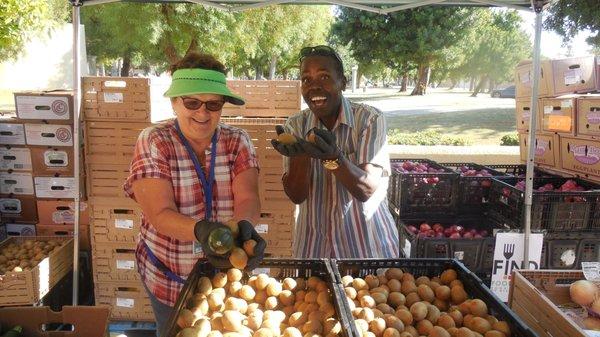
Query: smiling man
[{"x": 338, "y": 168}]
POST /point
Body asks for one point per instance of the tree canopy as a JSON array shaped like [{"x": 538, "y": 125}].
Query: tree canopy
[{"x": 568, "y": 17}]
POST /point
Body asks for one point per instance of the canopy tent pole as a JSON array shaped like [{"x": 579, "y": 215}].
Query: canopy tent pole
[
  {"x": 537, "y": 7},
  {"x": 77, "y": 174}
]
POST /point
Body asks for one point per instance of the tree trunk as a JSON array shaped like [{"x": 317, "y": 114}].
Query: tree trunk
[
  {"x": 452, "y": 84},
  {"x": 167, "y": 40},
  {"x": 102, "y": 71},
  {"x": 193, "y": 46},
  {"x": 422, "y": 80},
  {"x": 404, "y": 82},
  {"x": 492, "y": 86},
  {"x": 126, "y": 65},
  {"x": 472, "y": 84},
  {"x": 272, "y": 67},
  {"x": 257, "y": 73},
  {"x": 480, "y": 85}
]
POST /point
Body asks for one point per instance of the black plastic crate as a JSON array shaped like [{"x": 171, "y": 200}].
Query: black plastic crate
[
  {"x": 568, "y": 250},
  {"x": 277, "y": 268},
  {"x": 551, "y": 211},
  {"x": 475, "y": 254},
  {"x": 422, "y": 193},
  {"x": 434, "y": 267},
  {"x": 518, "y": 170},
  {"x": 473, "y": 191}
]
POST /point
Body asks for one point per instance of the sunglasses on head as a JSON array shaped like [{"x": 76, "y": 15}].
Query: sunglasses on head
[
  {"x": 321, "y": 50},
  {"x": 195, "y": 104}
]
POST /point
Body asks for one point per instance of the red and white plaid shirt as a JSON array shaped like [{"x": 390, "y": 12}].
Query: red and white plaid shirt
[{"x": 159, "y": 153}]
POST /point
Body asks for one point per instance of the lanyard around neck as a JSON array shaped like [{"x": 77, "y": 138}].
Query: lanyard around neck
[{"x": 207, "y": 184}]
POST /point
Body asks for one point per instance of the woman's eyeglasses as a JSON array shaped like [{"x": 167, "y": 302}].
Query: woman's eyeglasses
[{"x": 195, "y": 104}]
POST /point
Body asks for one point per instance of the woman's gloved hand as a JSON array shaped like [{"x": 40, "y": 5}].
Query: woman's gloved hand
[
  {"x": 211, "y": 245},
  {"x": 247, "y": 232}
]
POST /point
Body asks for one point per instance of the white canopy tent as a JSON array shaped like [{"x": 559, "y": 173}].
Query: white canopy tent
[{"x": 378, "y": 6}]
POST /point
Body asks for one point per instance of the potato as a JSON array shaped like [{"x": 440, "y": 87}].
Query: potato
[
  {"x": 392, "y": 321},
  {"x": 246, "y": 293},
  {"x": 234, "y": 288},
  {"x": 448, "y": 276},
  {"x": 215, "y": 333},
  {"x": 372, "y": 281},
  {"x": 260, "y": 297},
  {"x": 377, "y": 326},
  {"x": 262, "y": 281},
  {"x": 186, "y": 319},
  {"x": 478, "y": 308},
  {"x": 189, "y": 332},
  {"x": 219, "y": 280},
  {"x": 384, "y": 308},
  {"x": 350, "y": 292},
  {"x": 292, "y": 332},
  {"x": 238, "y": 258},
  {"x": 442, "y": 305},
  {"x": 289, "y": 284},
  {"x": 422, "y": 280},
  {"x": 300, "y": 283},
  {"x": 438, "y": 332},
  {"x": 412, "y": 298},
  {"x": 424, "y": 327},
  {"x": 215, "y": 302},
  {"x": 480, "y": 325},
  {"x": 316, "y": 315},
  {"x": 323, "y": 297},
  {"x": 503, "y": 327},
  {"x": 379, "y": 297},
  {"x": 396, "y": 298},
  {"x": 311, "y": 297},
  {"x": 446, "y": 321},
  {"x": 418, "y": 311},
  {"x": 298, "y": 319},
  {"x": 313, "y": 327},
  {"x": 394, "y": 273},
  {"x": 458, "y": 294},
  {"x": 367, "y": 302},
  {"x": 274, "y": 288},
  {"x": 405, "y": 316},
  {"x": 271, "y": 303},
  {"x": 313, "y": 282},
  {"x": 494, "y": 333},
  {"x": 237, "y": 304},
  {"x": 286, "y": 138},
  {"x": 232, "y": 320},
  {"x": 367, "y": 314},
  {"x": 408, "y": 287},
  {"x": 203, "y": 326},
  {"x": 286, "y": 298},
  {"x": 464, "y": 332},
  {"x": 457, "y": 316},
  {"x": 433, "y": 314},
  {"x": 234, "y": 275},
  {"x": 249, "y": 247},
  {"x": 442, "y": 293},
  {"x": 254, "y": 319},
  {"x": 395, "y": 285},
  {"x": 347, "y": 280},
  {"x": 263, "y": 332},
  {"x": 361, "y": 325},
  {"x": 360, "y": 284}
]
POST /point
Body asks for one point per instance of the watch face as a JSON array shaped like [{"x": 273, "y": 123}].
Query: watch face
[{"x": 331, "y": 164}]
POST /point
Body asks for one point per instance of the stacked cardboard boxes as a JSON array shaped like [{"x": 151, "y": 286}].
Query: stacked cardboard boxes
[
  {"x": 116, "y": 110},
  {"x": 37, "y": 163}
]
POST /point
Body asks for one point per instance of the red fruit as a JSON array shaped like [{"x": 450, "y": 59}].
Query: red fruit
[
  {"x": 439, "y": 234},
  {"x": 409, "y": 166},
  {"x": 455, "y": 236},
  {"x": 468, "y": 235},
  {"x": 483, "y": 233},
  {"x": 412, "y": 229},
  {"x": 477, "y": 236},
  {"x": 473, "y": 231},
  {"x": 460, "y": 229},
  {"x": 506, "y": 192},
  {"x": 422, "y": 235},
  {"x": 433, "y": 180},
  {"x": 437, "y": 227},
  {"x": 430, "y": 233},
  {"x": 448, "y": 232},
  {"x": 486, "y": 183},
  {"x": 424, "y": 227}
]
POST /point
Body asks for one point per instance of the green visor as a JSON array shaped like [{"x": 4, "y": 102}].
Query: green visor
[{"x": 201, "y": 81}]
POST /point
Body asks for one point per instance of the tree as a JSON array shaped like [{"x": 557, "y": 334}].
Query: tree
[
  {"x": 403, "y": 40},
  {"x": 20, "y": 20},
  {"x": 568, "y": 17}
]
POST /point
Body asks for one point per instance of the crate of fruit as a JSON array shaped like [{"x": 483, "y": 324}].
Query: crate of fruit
[
  {"x": 421, "y": 186},
  {"x": 474, "y": 186},
  {"x": 426, "y": 297},
  {"x": 31, "y": 266},
  {"x": 542, "y": 299},
  {"x": 301, "y": 293},
  {"x": 519, "y": 170},
  {"x": 467, "y": 239},
  {"x": 558, "y": 204},
  {"x": 567, "y": 250}
]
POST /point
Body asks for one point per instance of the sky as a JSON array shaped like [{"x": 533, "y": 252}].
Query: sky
[{"x": 552, "y": 43}]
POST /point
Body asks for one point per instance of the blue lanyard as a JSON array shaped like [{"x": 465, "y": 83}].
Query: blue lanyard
[{"x": 207, "y": 184}]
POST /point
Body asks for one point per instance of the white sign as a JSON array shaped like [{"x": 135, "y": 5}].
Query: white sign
[
  {"x": 508, "y": 256},
  {"x": 125, "y": 264},
  {"x": 124, "y": 223},
  {"x": 591, "y": 271},
  {"x": 125, "y": 302}
]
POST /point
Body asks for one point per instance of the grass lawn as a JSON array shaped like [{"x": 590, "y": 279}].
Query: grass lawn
[{"x": 483, "y": 127}]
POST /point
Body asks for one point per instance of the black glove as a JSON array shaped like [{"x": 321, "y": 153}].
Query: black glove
[
  {"x": 202, "y": 230},
  {"x": 324, "y": 147},
  {"x": 247, "y": 232},
  {"x": 290, "y": 150}
]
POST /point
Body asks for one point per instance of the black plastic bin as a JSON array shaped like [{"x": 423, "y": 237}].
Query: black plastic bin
[
  {"x": 568, "y": 250},
  {"x": 414, "y": 194},
  {"x": 278, "y": 268},
  {"x": 434, "y": 267},
  {"x": 518, "y": 170}
]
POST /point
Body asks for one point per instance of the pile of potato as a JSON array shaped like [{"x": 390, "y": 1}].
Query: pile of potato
[
  {"x": 17, "y": 257},
  {"x": 394, "y": 304},
  {"x": 222, "y": 306}
]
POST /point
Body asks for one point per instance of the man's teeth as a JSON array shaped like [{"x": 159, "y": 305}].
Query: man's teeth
[{"x": 317, "y": 98}]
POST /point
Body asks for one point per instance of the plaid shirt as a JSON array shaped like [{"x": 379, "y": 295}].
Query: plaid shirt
[{"x": 159, "y": 153}]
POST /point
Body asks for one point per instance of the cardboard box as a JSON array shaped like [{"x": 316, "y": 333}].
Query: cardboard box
[
  {"x": 114, "y": 262},
  {"x": 277, "y": 229},
  {"x": 56, "y": 187},
  {"x": 588, "y": 116},
  {"x": 87, "y": 321},
  {"x": 524, "y": 79},
  {"x": 546, "y": 149},
  {"x": 116, "y": 99},
  {"x": 61, "y": 212},
  {"x": 115, "y": 220},
  {"x": 538, "y": 298},
  {"x": 49, "y": 134},
  {"x": 66, "y": 231},
  {"x": 523, "y": 112},
  {"x": 12, "y": 133},
  {"x": 49, "y": 161},
  {"x": 20, "y": 229},
  {"x": 559, "y": 114},
  {"x": 580, "y": 156},
  {"x": 127, "y": 300},
  {"x": 39, "y": 105},
  {"x": 573, "y": 75},
  {"x": 30, "y": 286},
  {"x": 15, "y": 158},
  {"x": 18, "y": 183},
  {"x": 18, "y": 208}
]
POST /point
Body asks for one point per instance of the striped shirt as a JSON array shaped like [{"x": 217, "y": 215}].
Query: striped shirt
[
  {"x": 160, "y": 154},
  {"x": 331, "y": 222}
]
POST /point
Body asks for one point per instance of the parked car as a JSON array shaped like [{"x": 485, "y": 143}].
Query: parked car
[{"x": 508, "y": 92}]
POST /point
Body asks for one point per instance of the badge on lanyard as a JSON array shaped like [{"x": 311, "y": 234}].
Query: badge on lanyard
[{"x": 197, "y": 248}]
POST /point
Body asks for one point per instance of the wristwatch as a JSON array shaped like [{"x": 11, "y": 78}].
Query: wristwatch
[{"x": 331, "y": 164}]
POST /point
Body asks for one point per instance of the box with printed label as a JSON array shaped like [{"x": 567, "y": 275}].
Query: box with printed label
[
  {"x": 19, "y": 183},
  {"x": 115, "y": 220},
  {"x": 48, "y": 161},
  {"x": 559, "y": 114},
  {"x": 116, "y": 98},
  {"x": 49, "y": 134},
  {"x": 66, "y": 231},
  {"x": 523, "y": 113},
  {"x": 588, "y": 115},
  {"x": 12, "y": 133},
  {"x": 18, "y": 208},
  {"x": 573, "y": 75},
  {"x": 15, "y": 158},
  {"x": 20, "y": 229},
  {"x": 51, "y": 105},
  {"x": 581, "y": 156},
  {"x": 56, "y": 187},
  {"x": 524, "y": 78},
  {"x": 127, "y": 300},
  {"x": 59, "y": 212},
  {"x": 114, "y": 262},
  {"x": 546, "y": 149}
]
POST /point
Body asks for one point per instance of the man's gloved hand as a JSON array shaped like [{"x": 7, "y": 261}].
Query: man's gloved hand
[
  {"x": 323, "y": 147},
  {"x": 288, "y": 150},
  {"x": 247, "y": 232},
  {"x": 202, "y": 230}
]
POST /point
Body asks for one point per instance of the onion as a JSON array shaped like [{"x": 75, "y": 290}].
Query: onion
[
  {"x": 591, "y": 323},
  {"x": 583, "y": 292}
]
